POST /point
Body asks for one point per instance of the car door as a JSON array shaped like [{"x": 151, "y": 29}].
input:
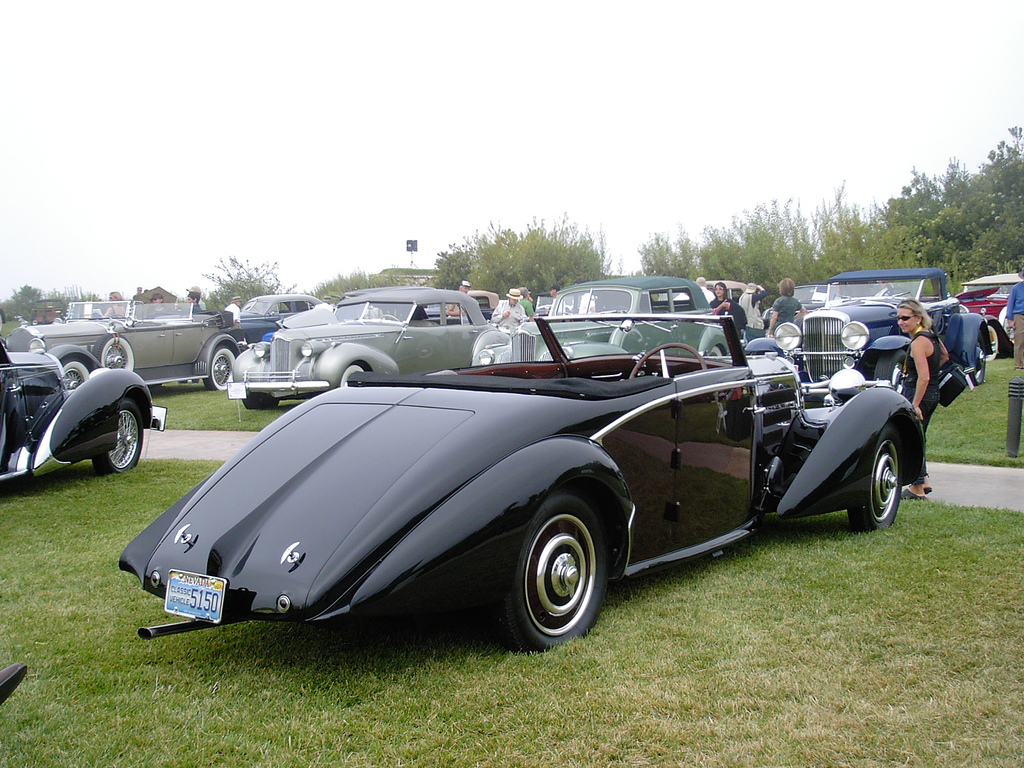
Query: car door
[{"x": 688, "y": 464}]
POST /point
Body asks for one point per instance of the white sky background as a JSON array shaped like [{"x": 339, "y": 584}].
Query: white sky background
[{"x": 141, "y": 142}]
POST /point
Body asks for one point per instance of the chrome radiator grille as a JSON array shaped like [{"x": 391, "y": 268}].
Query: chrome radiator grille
[
  {"x": 279, "y": 358},
  {"x": 823, "y": 348},
  {"x": 523, "y": 347}
]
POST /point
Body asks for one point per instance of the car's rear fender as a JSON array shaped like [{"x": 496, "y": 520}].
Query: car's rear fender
[
  {"x": 464, "y": 552},
  {"x": 211, "y": 345}
]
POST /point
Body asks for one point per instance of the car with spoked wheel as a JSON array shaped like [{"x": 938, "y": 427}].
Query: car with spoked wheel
[
  {"x": 521, "y": 489},
  {"x": 162, "y": 343},
  {"x": 45, "y": 425}
]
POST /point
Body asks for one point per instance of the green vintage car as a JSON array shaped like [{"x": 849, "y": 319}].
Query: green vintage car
[{"x": 618, "y": 296}]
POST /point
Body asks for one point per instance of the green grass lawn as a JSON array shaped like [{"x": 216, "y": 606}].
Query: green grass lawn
[{"x": 804, "y": 645}]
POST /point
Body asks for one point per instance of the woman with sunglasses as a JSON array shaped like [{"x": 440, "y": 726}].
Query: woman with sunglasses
[{"x": 920, "y": 374}]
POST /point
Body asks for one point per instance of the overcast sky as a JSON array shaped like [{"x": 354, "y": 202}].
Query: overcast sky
[{"x": 141, "y": 142}]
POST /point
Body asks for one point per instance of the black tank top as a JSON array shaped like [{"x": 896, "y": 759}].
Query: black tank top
[{"x": 910, "y": 368}]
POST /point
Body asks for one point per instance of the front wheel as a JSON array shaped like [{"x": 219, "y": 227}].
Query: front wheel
[
  {"x": 220, "y": 370},
  {"x": 890, "y": 366},
  {"x": 259, "y": 401},
  {"x": 561, "y": 577},
  {"x": 125, "y": 455},
  {"x": 883, "y": 495}
]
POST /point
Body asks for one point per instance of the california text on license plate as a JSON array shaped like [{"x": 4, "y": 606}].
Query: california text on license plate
[{"x": 196, "y": 596}]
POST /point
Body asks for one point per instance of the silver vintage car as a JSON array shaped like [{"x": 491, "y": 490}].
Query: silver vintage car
[
  {"x": 406, "y": 330},
  {"x": 160, "y": 342}
]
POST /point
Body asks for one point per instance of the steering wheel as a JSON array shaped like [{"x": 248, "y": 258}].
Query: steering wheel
[
  {"x": 390, "y": 317},
  {"x": 676, "y": 344}
]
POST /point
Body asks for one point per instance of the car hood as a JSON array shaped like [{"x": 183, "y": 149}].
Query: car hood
[
  {"x": 73, "y": 329},
  {"x": 348, "y": 331}
]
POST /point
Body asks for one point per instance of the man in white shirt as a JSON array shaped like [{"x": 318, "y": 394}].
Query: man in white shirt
[
  {"x": 235, "y": 308},
  {"x": 509, "y": 315}
]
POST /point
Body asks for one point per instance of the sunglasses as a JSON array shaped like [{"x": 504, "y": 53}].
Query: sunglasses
[{"x": 903, "y": 318}]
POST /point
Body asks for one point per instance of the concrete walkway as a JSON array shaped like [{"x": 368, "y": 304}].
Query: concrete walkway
[{"x": 960, "y": 484}]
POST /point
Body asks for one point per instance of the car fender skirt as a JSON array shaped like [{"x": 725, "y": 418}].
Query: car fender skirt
[
  {"x": 836, "y": 472},
  {"x": 463, "y": 553}
]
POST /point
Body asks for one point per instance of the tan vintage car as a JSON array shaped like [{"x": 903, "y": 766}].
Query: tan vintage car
[{"x": 162, "y": 342}]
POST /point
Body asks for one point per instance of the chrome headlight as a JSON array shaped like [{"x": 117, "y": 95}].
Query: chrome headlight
[
  {"x": 788, "y": 336},
  {"x": 261, "y": 350},
  {"x": 487, "y": 357},
  {"x": 37, "y": 345},
  {"x": 856, "y": 336},
  {"x": 306, "y": 350}
]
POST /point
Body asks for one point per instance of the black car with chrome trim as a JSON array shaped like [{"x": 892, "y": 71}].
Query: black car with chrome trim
[
  {"x": 520, "y": 488},
  {"x": 44, "y": 425}
]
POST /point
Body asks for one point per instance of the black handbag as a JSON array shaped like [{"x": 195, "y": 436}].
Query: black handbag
[{"x": 952, "y": 381}]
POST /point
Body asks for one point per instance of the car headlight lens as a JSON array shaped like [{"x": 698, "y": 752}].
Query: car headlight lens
[
  {"x": 37, "y": 345},
  {"x": 261, "y": 350},
  {"x": 487, "y": 357},
  {"x": 306, "y": 350},
  {"x": 788, "y": 336},
  {"x": 855, "y": 336}
]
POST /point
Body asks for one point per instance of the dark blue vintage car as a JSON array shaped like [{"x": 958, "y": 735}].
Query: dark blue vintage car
[
  {"x": 857, "y": 328},
  {"x": 45, "y": 425},
  {"x": 521, "y": 488},
  {"x": 263, "y": 314}
]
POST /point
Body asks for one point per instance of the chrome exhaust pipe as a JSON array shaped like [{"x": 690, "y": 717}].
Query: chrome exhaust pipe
[{"x": 149, "y": 633}]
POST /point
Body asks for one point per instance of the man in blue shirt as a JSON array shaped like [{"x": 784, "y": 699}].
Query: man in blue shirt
[{"x": 1015, "y": 310}]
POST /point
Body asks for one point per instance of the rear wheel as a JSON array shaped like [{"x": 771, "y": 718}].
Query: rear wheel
[
  {"x": 561, "y": 577},
  {"x": 220, "y": 369},
  {"x": 982, "y": 368},
  {"x": 883, "y": 495},
  {"x": 117, "y": 353},
  {"x": 125, "y": 455}
]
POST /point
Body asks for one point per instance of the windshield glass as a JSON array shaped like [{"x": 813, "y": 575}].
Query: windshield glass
[
  {"x": 592, "y": 301},
  {"x": 159, "y": 310},
  {"x": 591, "y": 337},
  {"x": 874, "y": 288},
  {"x": 97, "y": 310},
  {"x": 258, "y": 306},
  {"x": 372, "y": 311}
]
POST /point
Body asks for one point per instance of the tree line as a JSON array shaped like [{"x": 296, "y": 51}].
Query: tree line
[{"x": 968, "y": 223}]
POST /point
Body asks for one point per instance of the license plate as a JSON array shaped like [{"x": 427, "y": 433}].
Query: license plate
[{"x": 196, "y": 596}]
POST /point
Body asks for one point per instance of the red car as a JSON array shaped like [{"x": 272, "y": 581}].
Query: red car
[{"x": 987, "y": 296}]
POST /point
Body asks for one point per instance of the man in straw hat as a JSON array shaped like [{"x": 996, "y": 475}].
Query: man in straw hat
[{"x": 509, "y": 314}]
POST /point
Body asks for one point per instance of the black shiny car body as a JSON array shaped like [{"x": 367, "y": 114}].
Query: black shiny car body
[
  {"x": 44, "y": 425},
  {"x": 856, "y": 327},
  {"x": 520, "y": 488}
]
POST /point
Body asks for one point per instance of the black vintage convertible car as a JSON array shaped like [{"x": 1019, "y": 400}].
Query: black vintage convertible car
[
  {"x": 521, "y": 488},
  {"x": 45, "y": 425}
]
